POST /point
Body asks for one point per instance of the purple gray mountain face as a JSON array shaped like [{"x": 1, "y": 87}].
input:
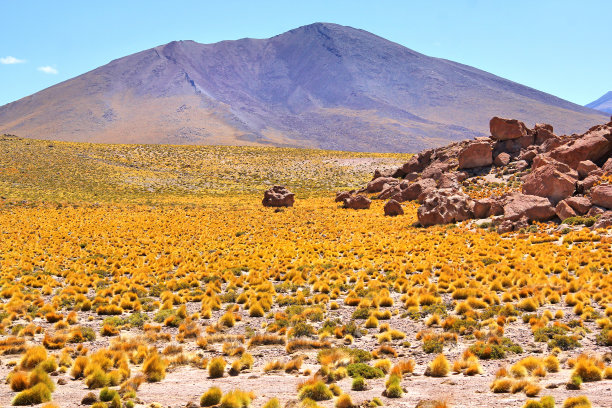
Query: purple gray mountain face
[
  {"x": 322, "y": 85},
  {"x": 603, "y": 104}
]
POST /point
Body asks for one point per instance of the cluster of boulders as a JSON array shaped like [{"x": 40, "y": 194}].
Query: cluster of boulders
[{"x": 562, "y": 176}]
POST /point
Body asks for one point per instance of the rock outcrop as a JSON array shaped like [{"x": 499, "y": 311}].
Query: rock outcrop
[
  {"x": 278, "y": 196},
  {"x": 547, "y": 181},
  {"x": 476, "y": 154},
  {"x": 533, "y": 208},
  {"x": 507, "y": 129},
  {"x": 560, "y": 176}
]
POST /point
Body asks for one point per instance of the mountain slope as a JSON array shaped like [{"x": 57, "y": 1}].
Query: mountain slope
[
  {"x": 321, "y": 85},
  {"x": 603, "y": 104}
]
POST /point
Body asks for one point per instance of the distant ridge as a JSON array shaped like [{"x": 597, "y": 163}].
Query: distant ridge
[
  {"x": 322, "y": 85},
  {"x": 603, "y": 104}
]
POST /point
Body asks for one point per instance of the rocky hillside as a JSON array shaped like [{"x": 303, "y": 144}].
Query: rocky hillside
[
  {"x": 322, "y": 85},
  {"x": 530, "y": 175}
]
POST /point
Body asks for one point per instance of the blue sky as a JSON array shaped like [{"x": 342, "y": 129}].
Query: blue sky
[{"x": 561, "y": 47}]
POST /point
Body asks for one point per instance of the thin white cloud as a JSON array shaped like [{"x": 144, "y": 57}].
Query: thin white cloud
[
  {"x": 48, "y": 70},
  {"x": 11, "y": 60}
]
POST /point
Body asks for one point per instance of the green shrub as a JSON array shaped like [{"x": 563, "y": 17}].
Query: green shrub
[
  {"x": 358, "y": 384},
  {"x": 563, "y": 342},
  {"x": 394, "y": 389},
  {"x": 106, "y": 394},
  {"x": 302, "y": 329},
  {"x": 364, "y": 370},
  {"x": 433, "y": 346},
  {"x": 361, "y": 313}
]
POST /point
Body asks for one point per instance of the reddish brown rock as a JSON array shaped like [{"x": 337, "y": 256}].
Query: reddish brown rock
[
  {"x": 502, "y": 159},
  {"x": 418, "y": 162},
  {"x": 564, "y": 211},
  {"x": 393, "y": 208},
  {"x": 414, "y": 190},
  {"x": 534, "y": 208},
  {"x": 504, "y": 129},
  {"x": 585, "y": 167},
  {"x": 487, "y": 207},
  {"x": 543, "y": 132},
  {"x": 278, "y": 196},
  {"x": 411, "y": 176},
  {"x": 601, "y": 195},
  {"x": 604, "y": 221},
  {"x": 449, "y": 180},
  {"x": 542, "y": 160},
  {"x": 357, "y": 202},
  {"x": 593, "y": 145},
  {"x": 528, "y": 155},
  {"x": 551, "y": 144},
  {"x": 342, "y": 195},
  {"x": 383, "y": 173},
  {"x": 548, "y": 182},
  {"x": 595, "y": 210},
  {"x": 580, "y": 205},
  {"x": 390, "y": 191},
  {"x": 437, "y": 169},
  {"x": 510, "y": 146},
  {"x": 444, "y": 207},
  {"x": 377, "y": 185},
  {"x": 607, "y": 167},
  {"x": 476, "y": 154},
  {"x": 584, "y": 186},
  {"x": 526, "y": 141}
]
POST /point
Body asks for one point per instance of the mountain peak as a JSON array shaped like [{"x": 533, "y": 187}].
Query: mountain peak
[{"x": 321, "y": 85}]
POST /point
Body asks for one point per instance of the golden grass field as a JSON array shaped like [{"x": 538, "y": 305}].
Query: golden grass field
[{"x": 152, "y": 276}]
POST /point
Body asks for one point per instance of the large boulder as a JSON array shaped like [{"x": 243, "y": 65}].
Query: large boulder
[
  {"x": 585, "y": 167},
  {"x": 357, "y": 202},
  {"x": 278, "y": 196},
  {"x": 486, "y": 207},
  {"x": 502, "y": 159},
  {"x": 584, "y": 186},
  {"x": 607, "y": 167},
  {"x": 581, "y": 205},
  {"x": 564, "y": 210},
  {"x": 543, "y": 132},
  {"x": 377, "y": 185},
  {"x": 548, "y": 182},
  {"x": 504, "y": 129},
  {"x": 443, "y": 207},
  {"x": 534, "y": 208},
  {"x": 476, "y": 154},
  {"x": 601, "y": 195},
  {"x": 393, "y": 208},
  {"x": 594, "y": 145}
]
